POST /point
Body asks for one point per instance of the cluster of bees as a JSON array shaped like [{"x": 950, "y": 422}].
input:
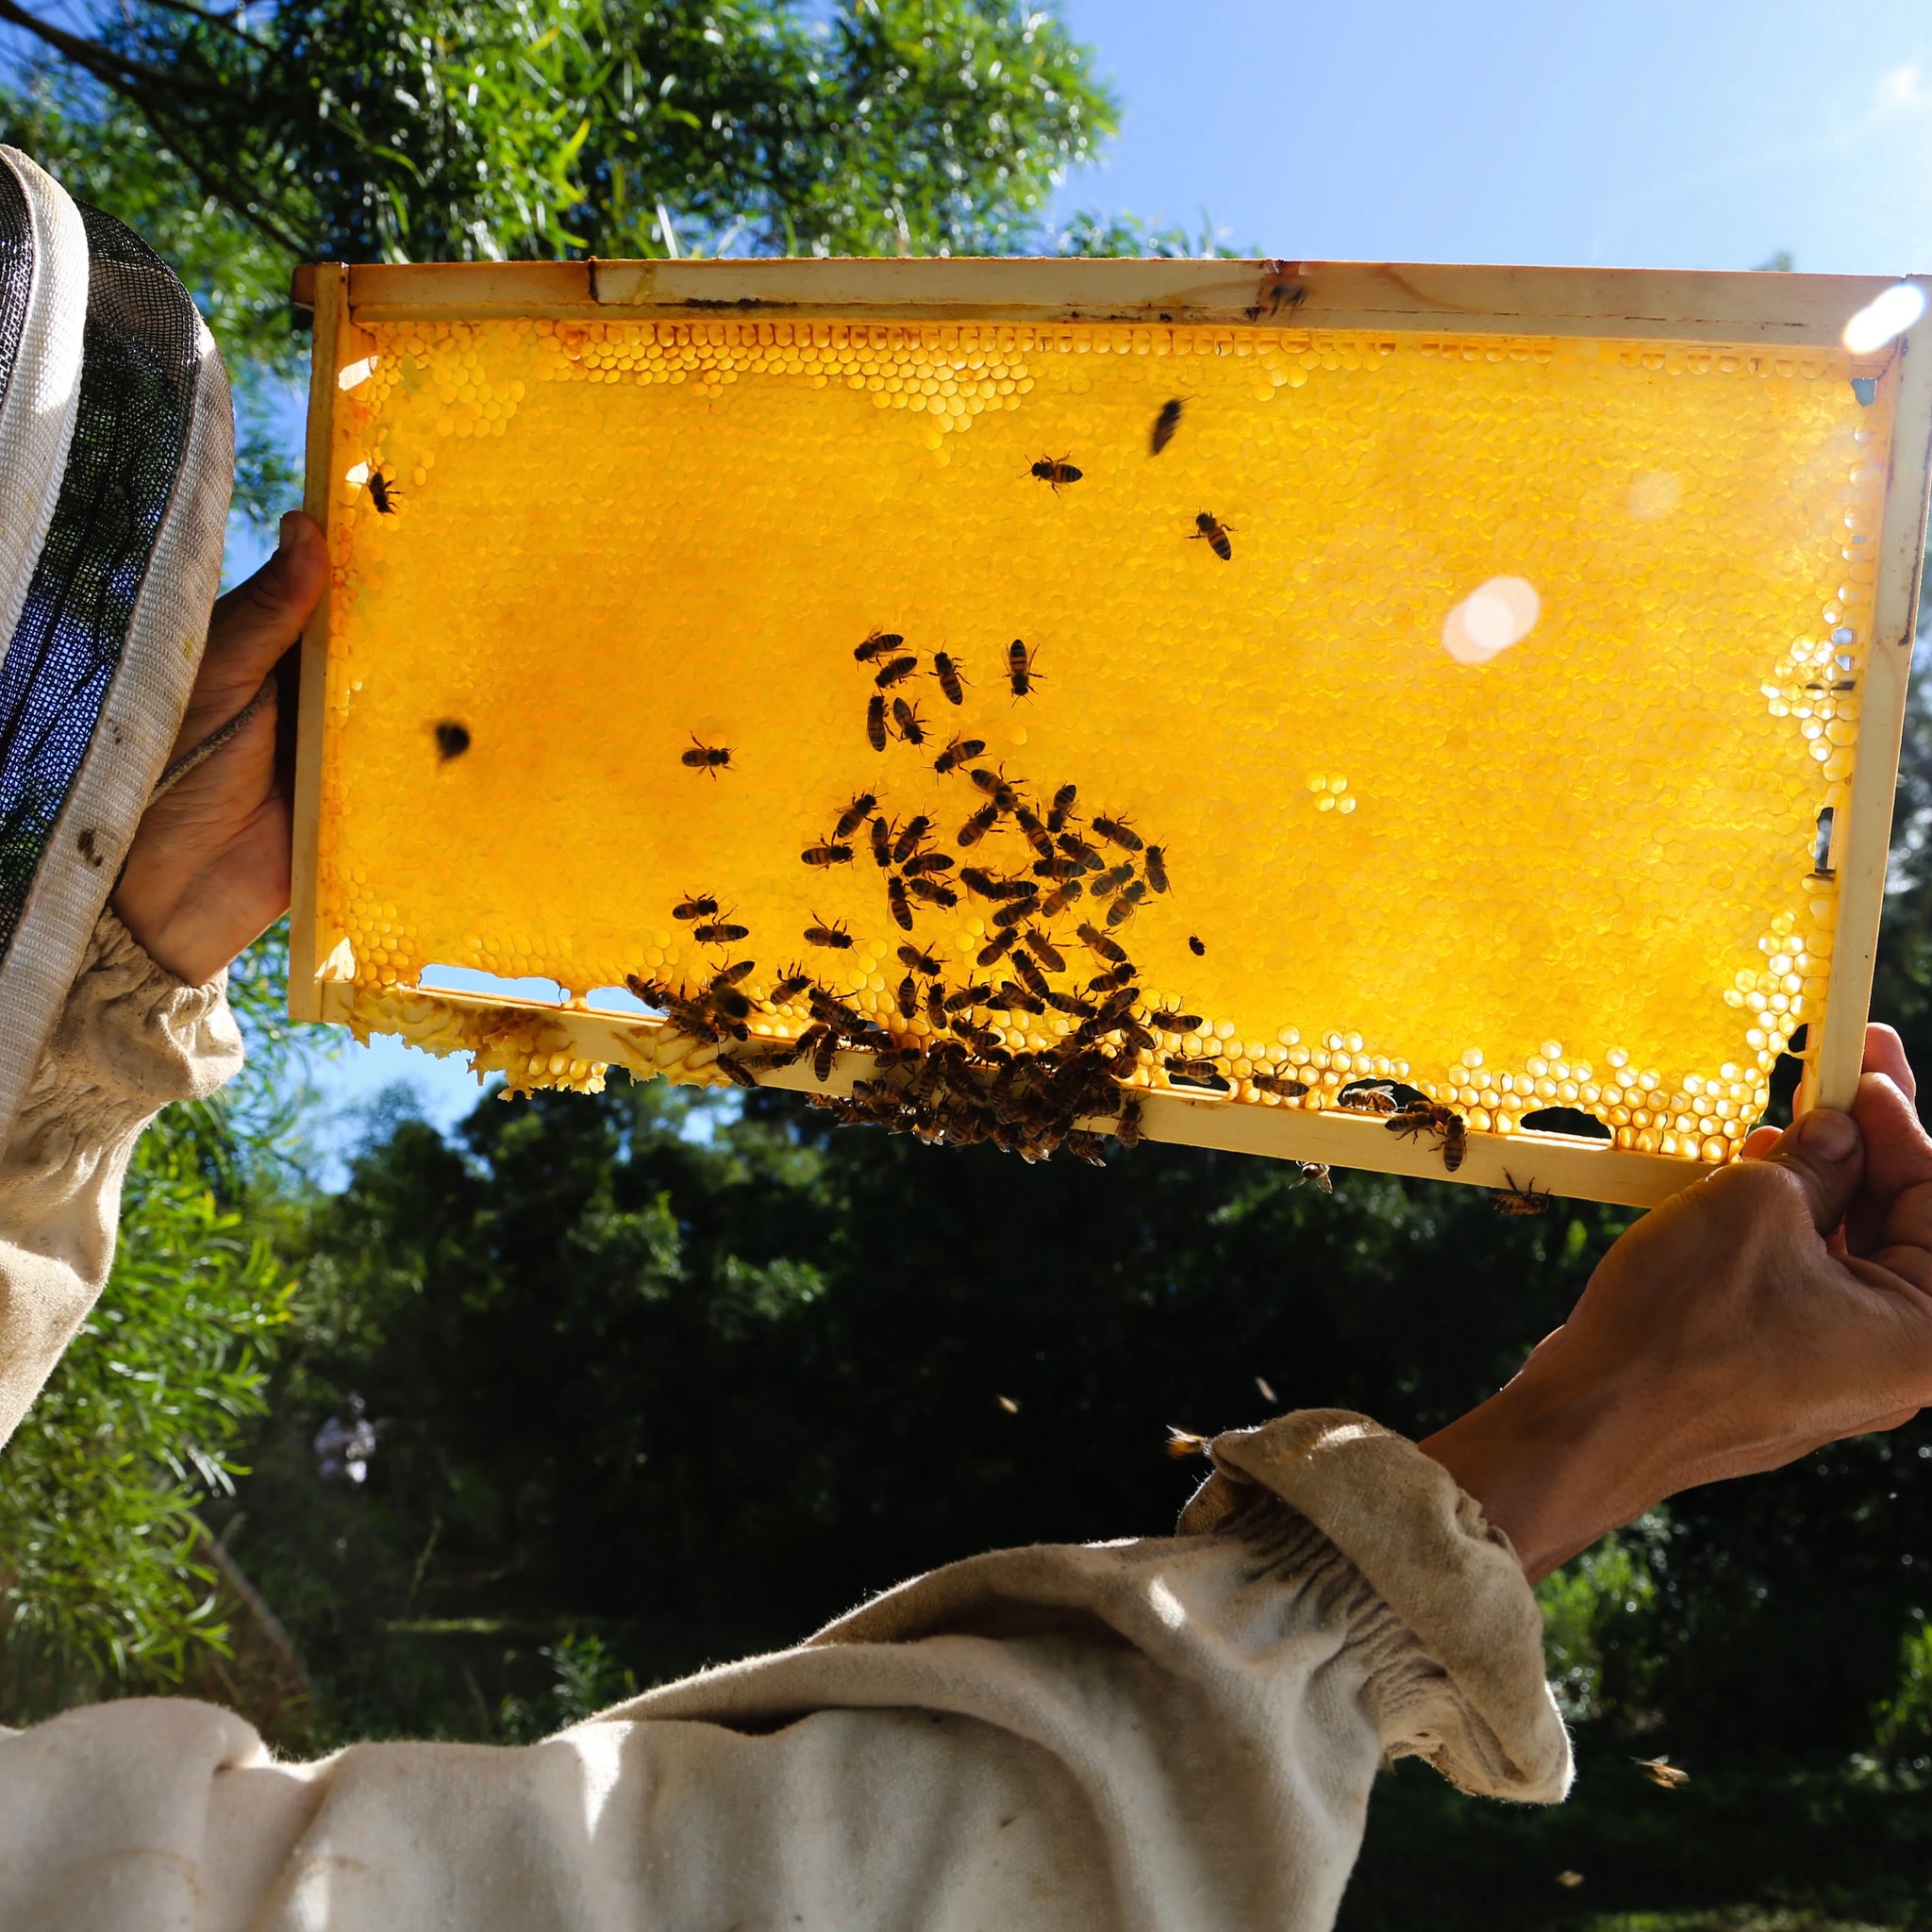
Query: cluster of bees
[{"x": 959, "y": 1082}]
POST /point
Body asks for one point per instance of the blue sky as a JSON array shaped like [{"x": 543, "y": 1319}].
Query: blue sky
[{"x": 1647, "y": 135}]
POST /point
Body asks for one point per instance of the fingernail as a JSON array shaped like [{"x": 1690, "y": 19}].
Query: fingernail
[
  {"x": 285, "y": 530},
  {"x": 1828, "y": 1134}
]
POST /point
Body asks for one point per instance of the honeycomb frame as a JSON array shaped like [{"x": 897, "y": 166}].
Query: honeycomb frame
[{"x": 1480, "y": 314}]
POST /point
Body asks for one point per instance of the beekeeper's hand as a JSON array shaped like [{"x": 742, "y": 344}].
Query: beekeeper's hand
[{"x": 208, "y": 869}]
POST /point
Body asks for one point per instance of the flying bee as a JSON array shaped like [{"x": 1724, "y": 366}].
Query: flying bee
[
  {"x": 793, "y": 983},
  {"x": 912, "y": 726},
  {"x": 1108, "y": 982},
  {"x": 1279, "y": 1085},
  {"x": 1660, "y": 1771},
  {"x": 996, "y": 949},
  {"x": 1155, "y": 862},
  {"x": 1102, "y": 945},
  {"x": 928, "y": 861},
  {"x": 1173, "y": 1023},
  {"x": 881, "y": 843},
  {"x": 957, "y": 753},
  {"x": 385, "y": 494},
  {"x": 1520, "y": 1200},
  {"x": 826, "y": 855},
  {"x": 899, "y": 668},
  {"x": 1058, "y": 900},
  {"x": 1045, "y": 951},
  {"x": 696, "y": 907},
  {"x": 1062, "y": 808},
  {"x": 1183, "y": 1442},
  {"x": 1021, "y": 674},
  {"x": 909, "y": 840},
  {"x": 1314, "y": 1170},
  {"x": 968, "y": 997},
  {"x": 875, "y": 722},
  {"x": 1118, "y": 832},
  {"x": 720, "y": 933},
  {"x": 945, "y": 667},
  {"x": 979, "y": 825},
  {"x": 1214, "y": 533},
  {"x": 895, "y": 898},
  {"x": 909, "y": 997},
  {"x": 919, "y": 962},
  {"x": 878, "y": 646},
  {"x": 835, "y": 936},
  {"x": 1196, "y": 948},
  {"x": 705, "y": 758},
  {"x": 1126, "y": 1130},
  {"x": 1055, "y": 471},
  {"x": 931, "y": 891},
  {"x": 1165, "y": 425},
  {"x": 729, "y": 1001},
  {"x": 854, "y": 815}
]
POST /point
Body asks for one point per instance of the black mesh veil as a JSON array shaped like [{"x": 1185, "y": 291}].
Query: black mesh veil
[{"x": 138, "y": 369}]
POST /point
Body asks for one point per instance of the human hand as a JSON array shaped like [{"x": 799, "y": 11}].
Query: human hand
[
  {"x": 209, "y": 867},
  {"x": 1783, "y": 1304}
]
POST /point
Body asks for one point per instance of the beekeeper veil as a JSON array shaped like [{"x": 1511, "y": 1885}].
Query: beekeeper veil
[{"x": 116, "y": 461}]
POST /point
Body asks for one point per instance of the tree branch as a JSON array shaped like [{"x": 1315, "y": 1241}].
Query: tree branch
[{"x": 117, "y": 71}]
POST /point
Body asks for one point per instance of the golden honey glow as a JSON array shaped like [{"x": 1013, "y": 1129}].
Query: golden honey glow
[{"x": 1490, "y": 760}]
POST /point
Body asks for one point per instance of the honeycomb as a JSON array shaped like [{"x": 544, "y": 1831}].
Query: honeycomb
[{"x": 1478, "y": 695}]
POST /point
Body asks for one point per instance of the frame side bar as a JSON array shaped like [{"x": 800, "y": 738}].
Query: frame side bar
[
  {"x": 1862, "y": 845},
  {"x": 331, "y": 296}
]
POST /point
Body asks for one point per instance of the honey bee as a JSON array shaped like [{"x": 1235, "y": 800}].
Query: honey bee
[
  {"x": 1215, "y": 534},
  {"x": 877, "y": 645},
  {"x": 1111, "y": 882},
  {"x": 957, "y": 753},
  {"x": 1058, "y": 900},
  {"x": 1085, "y": 1146},
  {"x": 1118, "y": 832},
  {"x": 836, "y": 1014},
  {"x": 1314, "y": 1170},
  {"x": 1044, "y": 950},
  {"x": 1155, "y": 862},
  {"x": 734, "y": 1071},
  {"x": 854, "y": 815},
  {"x": 1108, "y": 982},
  {"x": 997, "y": 947},
  {"x": 1078, "y": 849},
  {"x": 729, "y": 1001},
  {"x": 977, "y": 880},
  {"x": 969, "y": 996},
  {"x": 1455, "y": 1143},
  {"x": 982, "y": 1039},
  {"x": 1067, "y": 1003},
  {"x": 1660, "y": 1771},
  {"x": 1192, "y": 1073},
  {"x": 1279, "y": 1084},
  {"x": 978, "y": 825},
  {"x": 909, "y": 840},
  {"x": 720, "y": 933},
  {"x": 835, "y": 936},
  {"x": 911, "y": 727},
  {"x": 730, "y": 975},
  {"x": 1431, "y": 1117},
  {"x": 919, "y": 962},
  {"x": 1010, "y": 995},
  {"x": 1173, "y": 1023},
  {"x": 875, "y": 722},
  {"x": 1035, "y": 978},
  {"x": 385, "y": 494},
  {"x": 1020, "y": 671},
  {"x": 1126, "y": 1130},
  {"x": 1062, "y": 807},
  {"x": 1165, "y": 425},
  {"x": 767, "y": 1060},
  {"x": 1034, "y": 832},
  {"x": 909, "y": 997},
  {"x": 945, "y": 667},
  {"x": 931, "y": 891},
  {"x": 1377, "y": 1098},
  {"x": 881, "y": 843},
  {"x": 997, "y": 786},
  {"x": 824, "y": 1053},
  {"x": 899, "y": 668},
  {"x": 928, "y": 861},
  {"x": 1102, "y": 945},
  {"x": 935, "y": 1006},
  {"x": 694, "y": 906},
  {"x": 1183, "y": 1442},
  {"x": 1196, "y": 948},
  {"x": 795, "y": 982},
  {"x": 1520, "y": 1200},
  {"x": 705, "y": 757},
  {"x": 1013, "y": 913},
  {"x": 826, "y": 855},
  {"x": 895, "y": 898},
  {"x": 1055, "y": 471},
  {"x": 1123, "y": 909}
]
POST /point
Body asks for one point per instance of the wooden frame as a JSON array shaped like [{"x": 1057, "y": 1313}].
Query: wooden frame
[{"x": 1779, "y": 310}]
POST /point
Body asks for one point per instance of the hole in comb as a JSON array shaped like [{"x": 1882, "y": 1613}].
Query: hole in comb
[
  {"x": 1571, "y": 1120},
  {"x": 467, "y": 979},
  {"x": 1820, "y": 862}
]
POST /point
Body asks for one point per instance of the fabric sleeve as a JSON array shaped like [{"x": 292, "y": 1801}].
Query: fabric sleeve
[
  {"x": 1168, "y": 1733},
  {"x": 130, "y": 1039}
]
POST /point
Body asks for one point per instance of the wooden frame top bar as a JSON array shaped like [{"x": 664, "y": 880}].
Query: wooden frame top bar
[{"x": 1756, "y": 306}]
